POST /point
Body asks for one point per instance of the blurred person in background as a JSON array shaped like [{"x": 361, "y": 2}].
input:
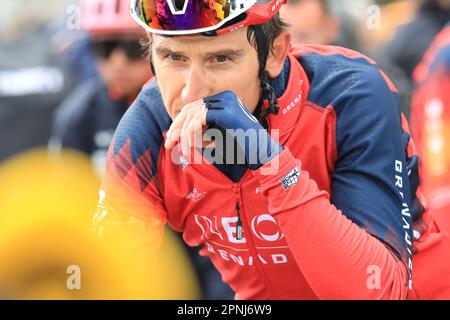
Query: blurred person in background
[
  {"x": 402, "y": 54},
  {"x": 412, "y": 40},
  {"x": 431, "y": 130},
  {"x": 392, "y": 15},
  {"x": 88, "y": 117},
  {"x": 33, "y": 76},
  {"x": 341, "y": 23},
  {"x": 320, "y": 22}
]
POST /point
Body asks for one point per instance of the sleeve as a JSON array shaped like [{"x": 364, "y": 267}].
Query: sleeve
[
  {"x": 354, "y": 243},
  {"x": 129, "y": 198}
]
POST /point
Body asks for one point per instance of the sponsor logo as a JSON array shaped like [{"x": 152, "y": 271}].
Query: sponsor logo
[
  {"x": 208, "y": 227},
  {"x": 290, "y": 179},
  {"x": 406, "y": 217},
  {"x": 237, "y": 28},
  {"x": 243, "y": 259},
  {"x": 263, "y": 226},
  {"x": 293, "y": 104},
  {"x": 195, "y": 195},
  {"x": 220, "y": 238},
  {"x": 176, "y": 8},
  {"x": 275, "y": 6},
  {"x": 265, "y": 236}
]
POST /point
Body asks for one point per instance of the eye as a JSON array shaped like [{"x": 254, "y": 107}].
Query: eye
[
  {"x": 221, "y": 59},
  {"x": 174, "y": 57}
]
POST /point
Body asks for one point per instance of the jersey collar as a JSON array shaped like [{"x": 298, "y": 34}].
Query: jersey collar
[{"x": 290, "y": 102}]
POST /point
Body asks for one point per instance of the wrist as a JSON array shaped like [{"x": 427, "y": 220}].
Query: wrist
[
  {"x": 267, "y": 150},
  {"x": 253, "y": 142}
]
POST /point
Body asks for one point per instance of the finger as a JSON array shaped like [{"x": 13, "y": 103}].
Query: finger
[
  {"x": 195, "y": 131},
  {"x": 197, "y": 142},
  {"x": 174, "y": 131},
  {"x": 203, "y": 115},
  {"x": 172, "y": 141},
  {"x": 180, "y": 118},
  {"x": 184, "y": 131}
]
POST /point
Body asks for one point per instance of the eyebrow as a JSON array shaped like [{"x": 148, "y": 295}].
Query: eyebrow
[{"x": 162, "y": 51}]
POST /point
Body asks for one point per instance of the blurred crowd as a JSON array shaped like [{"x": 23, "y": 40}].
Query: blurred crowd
[{"x": 68, "y": 73}]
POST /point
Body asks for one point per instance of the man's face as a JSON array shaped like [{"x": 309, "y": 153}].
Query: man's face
[
  {"x": 189, "y": 68},
  {"x": 310, "y": 23},
  {"x": 121, "y": 64}
]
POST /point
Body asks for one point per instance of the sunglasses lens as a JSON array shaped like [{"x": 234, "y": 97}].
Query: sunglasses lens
[
  {"x": 187, "y": 16},
  {"x": 103, "y": 49},
  {"x": 131, "y": 48}
]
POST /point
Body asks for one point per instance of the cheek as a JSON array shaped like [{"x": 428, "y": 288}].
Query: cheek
[
  {"x": 250, "y": 94},
  {"x": 170, "y": 87},
  {"x": 245, "y": 84},
  {"x": 103, "y": 69}
]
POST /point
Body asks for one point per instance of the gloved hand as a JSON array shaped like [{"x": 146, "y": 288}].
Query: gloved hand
[{"x": 227, "y": 111}]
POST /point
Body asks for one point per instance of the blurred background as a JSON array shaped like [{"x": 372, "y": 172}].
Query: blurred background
[{"x": 69, "y": 69}]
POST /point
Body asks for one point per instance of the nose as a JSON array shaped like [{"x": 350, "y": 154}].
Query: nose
[
  {"x": 196, "y": 85},
  {"x": 118, "y": 57}
]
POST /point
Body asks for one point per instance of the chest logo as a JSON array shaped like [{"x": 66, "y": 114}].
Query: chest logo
[
  {"x": 195, "y": 195},
  {"x": 264, "y": 227}
]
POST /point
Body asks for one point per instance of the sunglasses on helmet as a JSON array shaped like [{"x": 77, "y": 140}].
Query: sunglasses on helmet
[
  {"x": 176, "y": 17},
  {"x": 131, "y": 48}
]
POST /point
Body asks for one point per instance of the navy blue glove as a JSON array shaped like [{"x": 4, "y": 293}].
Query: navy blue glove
[{"x": 227, "y": 111}]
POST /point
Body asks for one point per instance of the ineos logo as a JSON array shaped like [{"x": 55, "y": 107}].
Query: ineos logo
[
  {"x": 265, "y": 217},
  {"x": 237, "y": 28},
  {"x": 209, "y": 228}
]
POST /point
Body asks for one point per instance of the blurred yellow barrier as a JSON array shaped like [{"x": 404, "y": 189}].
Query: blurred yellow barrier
[{"x": 49, "y": 251}]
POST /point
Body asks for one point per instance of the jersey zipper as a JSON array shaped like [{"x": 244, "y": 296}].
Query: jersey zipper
[
  {"x": 251, "y": 244},
  {"x": 239, "y": 229}
]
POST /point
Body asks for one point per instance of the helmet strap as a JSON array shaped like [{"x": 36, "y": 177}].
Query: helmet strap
[{"x": 267, "y": 92}]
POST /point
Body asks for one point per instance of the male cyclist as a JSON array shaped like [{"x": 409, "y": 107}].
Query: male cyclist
[{"x": 289, "y": 166}]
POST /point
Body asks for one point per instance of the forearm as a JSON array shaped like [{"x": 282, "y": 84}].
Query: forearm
[{"x": 339, "y": 259}]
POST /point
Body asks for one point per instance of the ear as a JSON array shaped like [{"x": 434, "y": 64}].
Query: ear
[{"x": 276, "y": 58}]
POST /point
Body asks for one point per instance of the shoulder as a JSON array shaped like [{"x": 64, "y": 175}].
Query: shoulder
[
  {"x": 141, "y": 129},
  {"x": 363, "y": 98},
  {"x": 343, "y": 78}
]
